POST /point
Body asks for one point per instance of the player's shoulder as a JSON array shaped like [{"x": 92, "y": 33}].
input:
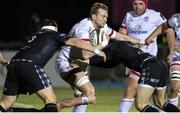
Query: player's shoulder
[
  {"x": 84, "y": 23},
  {"x": 152, "y": 12}
]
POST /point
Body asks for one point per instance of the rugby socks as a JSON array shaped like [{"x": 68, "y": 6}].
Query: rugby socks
[
  {"x": 80, "y": 108},
  {"x": 51, "y": 107},
  {"x": 174, "y": 101},
  {"x": 125, "y": 105},
  {"x": 2, "y": 109},
  {"x": 149, "y": 108},
  {"x": 168, "y": 107}
]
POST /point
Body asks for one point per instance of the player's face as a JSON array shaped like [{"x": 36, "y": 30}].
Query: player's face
[
  {"x": 139, "y": 7},
  {"x": 100, "y": 18}
]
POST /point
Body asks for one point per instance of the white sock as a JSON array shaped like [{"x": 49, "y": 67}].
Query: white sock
[
  {"x": 174, "y": 101},
  {"x": 80, "y": 108},
  {"x": 125, "y": 105}
]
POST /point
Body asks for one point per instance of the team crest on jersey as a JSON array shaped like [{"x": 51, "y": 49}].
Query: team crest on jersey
[{"x": 146, "y": 19}]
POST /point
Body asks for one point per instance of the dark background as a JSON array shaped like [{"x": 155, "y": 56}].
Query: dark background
[{"x": 16, "y": 23}]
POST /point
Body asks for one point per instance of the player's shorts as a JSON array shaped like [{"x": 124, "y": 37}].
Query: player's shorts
[
  {"x": 154, "y": 74},
  {"x": 132, "y": 74},
  {"x": 24, "y": 76},
  {"x": 64, "y": 69}
]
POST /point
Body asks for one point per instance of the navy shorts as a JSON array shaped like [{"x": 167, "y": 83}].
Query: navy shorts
[
  {"x": 24, "y": 76},
  {"x": 154, "y": 74}
]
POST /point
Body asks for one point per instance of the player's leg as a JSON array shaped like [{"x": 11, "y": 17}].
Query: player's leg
[
  {"x": 130, "y": 91},
  {"x": 144, "y": 93},
  {"x": 175, "y": 83},
  {"x": 84, "y": 91},
  {"x": 159, "y": 98},
  {"x": 6, "y": 102},
  {"x": 49, "y": 98},
  {"x": 36, "y": 81},
  {"x": 10, "y": 90},
  {"x": 153, "y": 74}
]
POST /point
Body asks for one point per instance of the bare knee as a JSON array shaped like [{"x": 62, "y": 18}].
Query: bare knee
[
  {"x": 47, "y": 95},
  {"x": 7, "y": 101}
]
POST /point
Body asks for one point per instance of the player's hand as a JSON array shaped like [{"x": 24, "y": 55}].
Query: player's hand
[
  {"x": 177, "y": 48},
  {"x": 4, "y": 62},
  {"x": 82, "y": 64},
  {"x": 149, "y": 41},
  {"x": 100, "y": 53}
]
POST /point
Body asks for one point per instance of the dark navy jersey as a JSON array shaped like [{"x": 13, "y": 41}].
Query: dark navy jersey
[
  {"x": 42, "y": 47},
  {"x": 125, "y": 53},
  {"x": 132, "y": 57}
]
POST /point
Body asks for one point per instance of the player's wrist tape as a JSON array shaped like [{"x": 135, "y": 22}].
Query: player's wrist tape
[
  {"x": 142, "y": 42},
  {"x": 97, "y": 51},
  {"x": 104, "y": 43},
  {"x": 85, "y": 100}
]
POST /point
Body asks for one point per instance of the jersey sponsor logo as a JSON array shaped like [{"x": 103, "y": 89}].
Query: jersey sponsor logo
[
  {"x": 137, "y": 30},
  {"x": 146, "y": 19}
]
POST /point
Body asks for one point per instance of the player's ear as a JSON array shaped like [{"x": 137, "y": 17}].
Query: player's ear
[{"x": 93, "y": 16}]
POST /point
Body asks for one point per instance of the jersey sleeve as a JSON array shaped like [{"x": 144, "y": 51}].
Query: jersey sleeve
[
  {"x": 82, "y": 34},
  {"x": 160, "y": 19},
  {"x": 123, "y": 25},
  {"x": 109, "y": 31},
  {"x": 174, "y": 21}
]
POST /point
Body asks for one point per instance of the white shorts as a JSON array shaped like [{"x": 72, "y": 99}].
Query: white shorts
[{"x": 133, "y": 74}]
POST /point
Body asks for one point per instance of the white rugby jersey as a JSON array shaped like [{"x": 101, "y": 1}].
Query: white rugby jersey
[
  {"x": 86, "y": 31},
  {"x": 174, "y": 22},
  {"x": 142, "y": 26}
]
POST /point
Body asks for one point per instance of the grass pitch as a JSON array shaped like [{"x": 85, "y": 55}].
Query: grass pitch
[{"x": 108, "y": 100}]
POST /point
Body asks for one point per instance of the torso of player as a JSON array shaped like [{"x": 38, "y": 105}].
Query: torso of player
[
  {"x": 142, "y": 26},
  {"x": 41, "y": 48},
  {"x": 84, "y": 30}
]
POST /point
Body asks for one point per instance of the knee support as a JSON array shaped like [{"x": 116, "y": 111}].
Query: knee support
[
  {"x": 82, "y": 81},
  {"x": 175, "y": 75}
]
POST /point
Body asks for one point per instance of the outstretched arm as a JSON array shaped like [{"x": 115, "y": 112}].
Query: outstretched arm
[
  {"x": 83, "y": 45},
  {"x": 123, "y": 37},
  {"x": 171, "y": 42},
  {"x": 154, "y": 34}
]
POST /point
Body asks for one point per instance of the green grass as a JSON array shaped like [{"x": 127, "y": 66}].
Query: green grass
[{"x": 107, "y": 99}]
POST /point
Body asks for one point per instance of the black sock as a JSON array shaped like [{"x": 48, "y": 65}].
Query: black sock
[
  {"x": 51, "y": 107},
  {"x": 2, "y": 109},
  {"x": 168, "y": 107},
  {"x": 149, "y": 108},
  {"x": 12, "y": 109}
]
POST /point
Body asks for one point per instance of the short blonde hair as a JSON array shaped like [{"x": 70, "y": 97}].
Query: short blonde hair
[{"x": 95, "y": 7}]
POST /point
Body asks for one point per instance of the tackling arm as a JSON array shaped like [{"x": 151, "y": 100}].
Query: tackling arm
[
  {"x": 82, "y": 45},
  {"x": 154, "y": 34}
]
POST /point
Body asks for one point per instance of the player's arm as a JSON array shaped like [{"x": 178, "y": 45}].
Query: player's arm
[
  {"x": 123, "y": 30},
  {"x": 171, "y": 41},
  {"x": 154, "y": 34},
  {"x": 124, "y": 37},
  {"x": 83, "y": 45}
]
